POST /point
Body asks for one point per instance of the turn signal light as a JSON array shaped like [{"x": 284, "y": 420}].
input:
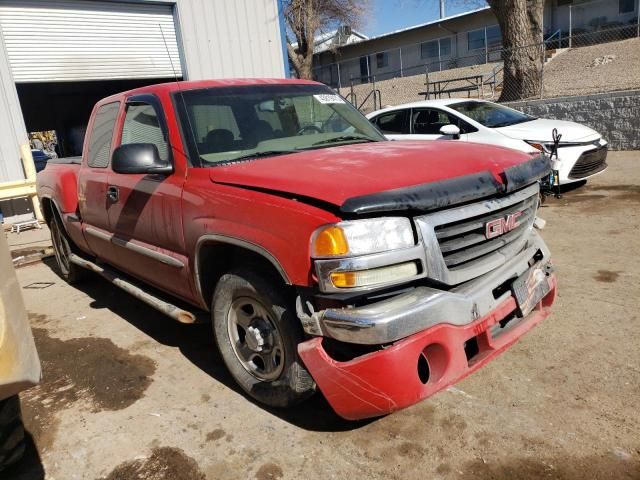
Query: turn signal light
[
  {"x": 330, "y": 242},
  {"x": 374, "y": 276}
]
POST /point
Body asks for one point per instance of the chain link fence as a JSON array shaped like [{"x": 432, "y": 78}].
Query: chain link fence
[{"x": 550, "y": 68}]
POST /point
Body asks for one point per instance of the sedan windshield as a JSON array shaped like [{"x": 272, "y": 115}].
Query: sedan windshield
[
  {"x": 491, "y": 115},
  {"x": 226, "y": 124}
]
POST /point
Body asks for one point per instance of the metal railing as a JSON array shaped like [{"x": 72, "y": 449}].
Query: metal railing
[
  {"x": 599, "y": 69},
  {"x": 453, "y": 57}
]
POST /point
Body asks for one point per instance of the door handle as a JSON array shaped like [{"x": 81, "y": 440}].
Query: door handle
[{"x": 113, "y": 194}]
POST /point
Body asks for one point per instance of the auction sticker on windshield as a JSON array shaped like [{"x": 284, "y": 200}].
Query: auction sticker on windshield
[{"x": 328, "y": 98}]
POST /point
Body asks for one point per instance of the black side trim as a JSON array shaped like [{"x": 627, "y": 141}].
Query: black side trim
[
  {"x": 427, "y": 196},
  {"x": 526, "y": 173}
]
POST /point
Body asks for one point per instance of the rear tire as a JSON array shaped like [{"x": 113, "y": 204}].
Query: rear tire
[
  {"x": 12, "y": 440},
  {"x": 71, "y": 272},
  {"x": 258, "y": 333}
]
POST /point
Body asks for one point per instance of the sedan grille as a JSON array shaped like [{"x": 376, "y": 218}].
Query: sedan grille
[
  {"x": 589, "y": 163},
  {"x": 465, "y": 242}
]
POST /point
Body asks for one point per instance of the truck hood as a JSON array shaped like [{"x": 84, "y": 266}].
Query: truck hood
[
  {"x": 338, "y": 174},
  {"x": 541, "y": 130}
]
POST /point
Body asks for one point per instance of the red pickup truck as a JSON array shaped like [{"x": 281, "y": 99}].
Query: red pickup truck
[{"x": 328, "y": 257}]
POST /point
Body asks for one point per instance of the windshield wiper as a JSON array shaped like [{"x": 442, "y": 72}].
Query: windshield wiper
[
  {"x": 343, "y": 138},
  {"x": 265, "y": 153},
  {"x": 514, "y": 122}
]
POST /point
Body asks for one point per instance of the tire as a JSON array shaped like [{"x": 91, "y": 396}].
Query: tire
[
  {"x": 12, "y": 440},
  {"x": 62, "y": 248},
  {"x": 260, "y": 353}
]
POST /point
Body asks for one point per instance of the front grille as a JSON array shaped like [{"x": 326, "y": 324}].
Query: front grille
[
  {"x": 457, "y": 245},
  {"x": 589, "y": 163}
]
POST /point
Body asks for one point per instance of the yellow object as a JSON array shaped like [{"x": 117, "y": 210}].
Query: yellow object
[
  {"x": 24, "y": 188},
  {"x": 330, "y": 242},
  {"x": 374, "y": 276}
]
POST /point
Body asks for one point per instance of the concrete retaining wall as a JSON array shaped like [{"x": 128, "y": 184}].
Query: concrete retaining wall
[{"x": 615, "y": 115}]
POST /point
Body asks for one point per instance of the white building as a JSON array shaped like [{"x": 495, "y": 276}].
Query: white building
[{"x": 58, "y": 57}]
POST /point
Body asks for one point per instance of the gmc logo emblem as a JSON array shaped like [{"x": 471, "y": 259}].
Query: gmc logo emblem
[{"x": 502, "y": 225}]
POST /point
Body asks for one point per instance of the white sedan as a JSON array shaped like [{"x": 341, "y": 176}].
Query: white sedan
[{"x": 582, "y": 152}]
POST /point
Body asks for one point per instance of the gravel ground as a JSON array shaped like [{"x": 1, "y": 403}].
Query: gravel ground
[
  {"x": 129, "y": 394},
  {"x": 595, "y": 69}
]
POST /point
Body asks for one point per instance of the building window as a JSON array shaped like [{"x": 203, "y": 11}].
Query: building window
[
  {"x": 475, "y": 39},
  {"x": 626, "y": 6},
  {"x": 445, "y": 47},
  {"x": 431, "y": 50},
  {"x": 494, "y": 36},
  {"x": 382, "y": 60}
]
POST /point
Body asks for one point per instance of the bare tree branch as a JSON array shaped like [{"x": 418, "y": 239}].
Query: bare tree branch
[{"x": 306, "y": 18}]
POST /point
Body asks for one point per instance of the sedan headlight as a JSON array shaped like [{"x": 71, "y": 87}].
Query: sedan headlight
[
  {"x": 540, "y": 146},
  {"x": 362, "y": 237}
]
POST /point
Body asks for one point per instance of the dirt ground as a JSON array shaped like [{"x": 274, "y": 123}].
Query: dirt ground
[{"x": 129, "y": 394}]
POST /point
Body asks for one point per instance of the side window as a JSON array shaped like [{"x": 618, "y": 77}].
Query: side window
[
  {"x": 141, "y": 125},
  {"x": 393, "y": 122},
  {"x": 102, "y": 134},
  {"x": 429, "y": 121}
]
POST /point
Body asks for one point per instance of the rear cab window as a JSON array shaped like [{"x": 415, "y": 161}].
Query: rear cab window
[{"x": 101, "y": 135}]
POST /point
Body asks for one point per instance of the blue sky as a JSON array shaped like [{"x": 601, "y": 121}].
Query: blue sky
[{"x": 389, "y": 15}]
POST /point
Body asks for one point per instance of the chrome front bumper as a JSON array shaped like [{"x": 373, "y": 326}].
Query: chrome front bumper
[{"x": 412, "y": 312}]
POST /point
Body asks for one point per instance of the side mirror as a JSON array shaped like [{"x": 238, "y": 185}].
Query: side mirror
[
  {"x": 452, "y": 130},
  {"x": 139, "y": 158}
]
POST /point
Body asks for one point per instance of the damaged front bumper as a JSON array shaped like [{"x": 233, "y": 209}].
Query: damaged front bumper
[
  {"x": 429, "y": 338},
  {"x": 423, "y": 307}
]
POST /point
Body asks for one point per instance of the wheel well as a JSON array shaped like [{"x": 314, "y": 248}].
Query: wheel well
[
  {"x": 217, "y": 258},
  {"x": 47, "y": 210}
]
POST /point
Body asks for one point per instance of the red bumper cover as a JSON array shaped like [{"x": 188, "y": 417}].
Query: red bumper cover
[{"x": 382, "y": 382}]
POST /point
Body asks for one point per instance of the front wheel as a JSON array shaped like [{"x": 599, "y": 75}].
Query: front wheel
[{"x": 257, "y": 334}]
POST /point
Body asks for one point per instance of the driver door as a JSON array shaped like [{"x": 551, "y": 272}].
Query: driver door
[{"x": 145, "y": 216}]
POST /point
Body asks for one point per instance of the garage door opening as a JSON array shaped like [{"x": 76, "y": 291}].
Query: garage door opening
[
  {"x": 65, "y": 107},
  {"x": 68, "y": 54}
]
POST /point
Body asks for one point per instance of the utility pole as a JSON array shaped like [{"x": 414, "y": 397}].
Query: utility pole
[{"x": 441, "y": 9}]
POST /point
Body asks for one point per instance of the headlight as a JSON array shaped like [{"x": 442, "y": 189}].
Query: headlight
[
  {"x": 540, "y": 146},
  {"x": 361, "y": 237},
  {"x": 374, "y": 276}
]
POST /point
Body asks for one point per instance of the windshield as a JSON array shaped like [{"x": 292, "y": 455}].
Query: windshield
[
  {"x": 232, "y": 123},
  {"x": 491, "y": 115}
]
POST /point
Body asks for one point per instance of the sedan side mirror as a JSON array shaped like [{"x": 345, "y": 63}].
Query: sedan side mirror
[
  {"x": 452, "y": 130},
  {"x": 139, "y": 158}
]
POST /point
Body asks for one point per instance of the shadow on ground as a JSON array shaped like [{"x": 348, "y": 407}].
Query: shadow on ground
[
  {"x": 197, "y": 345},
  {"x": 30, "y": 467}
]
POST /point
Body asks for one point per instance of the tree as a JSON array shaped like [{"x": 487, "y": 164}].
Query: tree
[
  {"x": 521, "y": 25},
  {"x": 307, "y": 18}
]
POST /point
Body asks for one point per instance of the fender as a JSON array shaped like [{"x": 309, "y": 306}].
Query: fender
[
  {"x": 70, "y": 223},
  {"x": 228, "y": 240},
  {"x": 60, "y": 182}
]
